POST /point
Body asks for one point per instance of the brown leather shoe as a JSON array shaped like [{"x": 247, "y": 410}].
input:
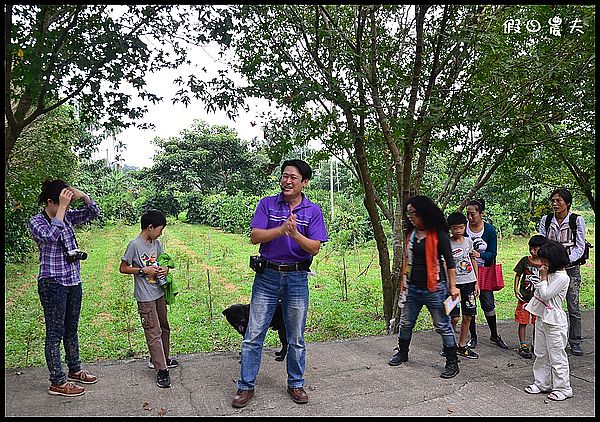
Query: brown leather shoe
[
  {"x": 68, "y": 389},
  {"x": 242, "y": 397},
  {"x": 82, "y": 376},
  {"x": 298, "y": 395}
]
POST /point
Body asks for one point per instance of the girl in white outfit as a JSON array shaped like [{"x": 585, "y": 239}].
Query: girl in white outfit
[{"x": 551, "y": 366}]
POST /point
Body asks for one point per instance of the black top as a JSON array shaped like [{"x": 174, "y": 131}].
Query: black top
[{"x": 418, "y": 274}]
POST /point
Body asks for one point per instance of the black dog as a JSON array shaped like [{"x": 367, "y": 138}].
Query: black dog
[{"x": 237, "y": 315}]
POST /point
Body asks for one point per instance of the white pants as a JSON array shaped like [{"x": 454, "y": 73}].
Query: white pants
[{"x": 551, "y": 366}]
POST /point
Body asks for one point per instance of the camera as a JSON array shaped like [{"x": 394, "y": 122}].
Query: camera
[
  {"x": 76, "y": 255},
  {"x": 258, "y": 263}
]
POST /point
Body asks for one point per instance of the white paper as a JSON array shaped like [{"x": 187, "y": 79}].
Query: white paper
[{"x": 449, "y": 304}]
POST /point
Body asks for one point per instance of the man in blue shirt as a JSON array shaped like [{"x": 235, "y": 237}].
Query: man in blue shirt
[{"x": 289, "y": 229}]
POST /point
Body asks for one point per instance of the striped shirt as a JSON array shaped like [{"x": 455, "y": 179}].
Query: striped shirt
[
  {"x": 273, "y": 211},
  {"x": 54, "y": 238}
]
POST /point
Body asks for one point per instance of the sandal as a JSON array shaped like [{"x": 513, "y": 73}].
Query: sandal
[
  {"x": 534, "y": 389},
  {"x": 557, "y": 396}
]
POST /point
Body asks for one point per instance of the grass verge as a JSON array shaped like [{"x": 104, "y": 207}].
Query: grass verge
[{"x": 345, "y": 295}]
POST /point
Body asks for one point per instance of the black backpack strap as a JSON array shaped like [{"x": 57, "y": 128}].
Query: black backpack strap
[
  {"x": 573, "y": 226},
  {"x": 548, "y": 221}
]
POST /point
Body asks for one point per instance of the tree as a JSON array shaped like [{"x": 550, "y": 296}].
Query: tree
[
  {"x": 205, "y": 158},
  {"x": 87, "y": 55},
  {"x": 530, "y": 100},
  {"x": 45, "y": 150},
  {"x": 385, "y": 88},
  {"x": 352, "y": 77}
]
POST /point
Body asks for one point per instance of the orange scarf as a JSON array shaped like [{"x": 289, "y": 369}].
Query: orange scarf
[{"x": 432, "y": 262}]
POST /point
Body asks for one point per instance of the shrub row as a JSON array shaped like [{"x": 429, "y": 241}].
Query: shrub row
[{"x": 231, "y": 214}]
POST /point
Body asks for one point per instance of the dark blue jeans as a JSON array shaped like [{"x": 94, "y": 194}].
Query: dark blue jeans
[
  {"x": 61, "y": 312},
  {"x": 434, "y": 301}
]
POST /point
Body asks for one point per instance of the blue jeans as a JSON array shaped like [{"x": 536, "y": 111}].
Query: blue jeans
[
  {"x": 270, "y": 286},
  {"x": 61, "y": 312},
  {"x": 434, "y": 301}
]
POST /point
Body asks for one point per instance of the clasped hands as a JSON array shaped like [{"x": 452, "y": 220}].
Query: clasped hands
[{"x": 290, "y": 227}]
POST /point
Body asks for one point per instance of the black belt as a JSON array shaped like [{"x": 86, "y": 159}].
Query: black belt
[{"x": 286, "y": 267}]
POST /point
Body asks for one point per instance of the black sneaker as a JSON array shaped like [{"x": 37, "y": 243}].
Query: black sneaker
[
  {"x": 163, "y": 380},
  {"x": 472, "y": 343},
  {"x": 171, "y": 363},
  {"x": 466, "y": 352},
  {"x": 524, "y": 352},
  {"x": 576, "y": 350}
]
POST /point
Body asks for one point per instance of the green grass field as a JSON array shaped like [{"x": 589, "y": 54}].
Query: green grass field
[{"x": 110, "y": 328}]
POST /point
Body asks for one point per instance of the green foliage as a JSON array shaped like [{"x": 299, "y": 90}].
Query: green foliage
[
  {"x": 205, "y": 158},
  {"x": 232, "y": 214},
  {"x": 163, "y": 201},
  {"x": 43, "y": 151},
  {"x": 17, "y": 240},
  {"x": 351, "y": 223},
  {"x": 236, "y": 213},
  {"x": 114, "y": 191},
  {"x": 118, "y": 206},
  {"x": 56, "y": 53},
  {"x": 200, "y": 209}
]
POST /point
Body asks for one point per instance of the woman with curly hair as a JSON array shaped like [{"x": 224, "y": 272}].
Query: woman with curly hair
[{"x": 428, "y": 278}]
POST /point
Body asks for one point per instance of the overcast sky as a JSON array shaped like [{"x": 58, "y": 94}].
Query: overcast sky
[{"x": 170, "y": 119}]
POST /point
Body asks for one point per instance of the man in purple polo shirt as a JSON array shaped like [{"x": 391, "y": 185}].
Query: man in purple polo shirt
[
  {"x": 290, "y": 230},
  {"x": 59, "y": 281}
]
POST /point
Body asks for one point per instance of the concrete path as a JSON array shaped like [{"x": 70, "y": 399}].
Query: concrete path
[{"x": 343, "y": 378}]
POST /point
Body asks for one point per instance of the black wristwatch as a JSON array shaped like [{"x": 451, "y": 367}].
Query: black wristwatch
[{"x": 141, "y": 272}]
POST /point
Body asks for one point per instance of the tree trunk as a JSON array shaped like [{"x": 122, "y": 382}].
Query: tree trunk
[
  {"x": 10, "y": 139},
  {"x": 387, "y": 285}
]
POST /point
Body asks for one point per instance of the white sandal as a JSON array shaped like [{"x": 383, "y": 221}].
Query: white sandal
[
  {"x": 557, "y": 396},
  {"x": 534, "y": 389}
]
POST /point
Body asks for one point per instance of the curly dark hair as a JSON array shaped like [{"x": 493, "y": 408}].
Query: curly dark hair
[{"x": 431, "y": 215}]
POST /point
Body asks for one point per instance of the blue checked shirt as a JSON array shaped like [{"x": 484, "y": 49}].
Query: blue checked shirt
[{"x": 55, "y": 237}]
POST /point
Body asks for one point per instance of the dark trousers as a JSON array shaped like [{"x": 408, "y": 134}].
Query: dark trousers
[
  {"x": 62, "y": 306},
  {"x": 573, "y": 304}
]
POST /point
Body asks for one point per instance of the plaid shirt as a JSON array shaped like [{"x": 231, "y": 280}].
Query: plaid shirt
[{"x": 55, "y": 237}]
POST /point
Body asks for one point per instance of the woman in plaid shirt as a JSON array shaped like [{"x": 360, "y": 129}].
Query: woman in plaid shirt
[{"x": 59, "y": 281}]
